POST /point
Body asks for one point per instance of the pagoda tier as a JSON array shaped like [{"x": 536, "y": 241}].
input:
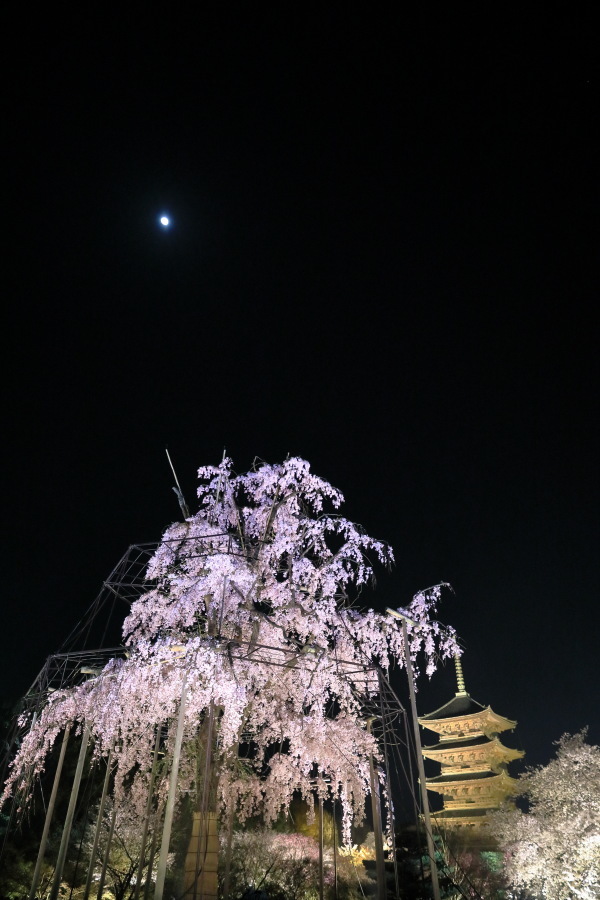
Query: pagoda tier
[
  {"x": 462, "y": 715},
  {"x": 481, "y": 755},
  {"x": 474, "y": 778},
  {"x": 473, "y": 789}
]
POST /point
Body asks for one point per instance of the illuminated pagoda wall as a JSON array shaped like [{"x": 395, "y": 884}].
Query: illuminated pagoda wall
[{"x": 474, "y": 777}]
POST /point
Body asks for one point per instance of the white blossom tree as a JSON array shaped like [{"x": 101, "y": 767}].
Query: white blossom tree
[
  {"x": 251, "y": 611},
  {"x": 124, "y": 838},
  {"x": 553, "y": 851}
]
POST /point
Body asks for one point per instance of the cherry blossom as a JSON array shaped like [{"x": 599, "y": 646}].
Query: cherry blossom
[
  {"x": 553, "y": 851},
  {"x": 251, "y": 611}
]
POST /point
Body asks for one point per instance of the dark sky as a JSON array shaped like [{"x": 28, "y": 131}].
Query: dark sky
[{"x": 382, "y": 259}]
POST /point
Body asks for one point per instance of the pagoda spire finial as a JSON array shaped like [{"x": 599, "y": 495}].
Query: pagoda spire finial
[{"x": 460, "y": 679}]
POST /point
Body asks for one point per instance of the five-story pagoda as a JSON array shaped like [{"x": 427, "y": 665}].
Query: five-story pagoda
[{"x": 474, "y": 779}]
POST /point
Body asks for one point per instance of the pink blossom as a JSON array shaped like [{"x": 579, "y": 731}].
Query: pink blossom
[{"x": 254, "y": 598}]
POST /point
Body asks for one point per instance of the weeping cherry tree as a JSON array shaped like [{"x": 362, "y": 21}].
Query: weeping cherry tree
[{"x": 251, "y": 615}]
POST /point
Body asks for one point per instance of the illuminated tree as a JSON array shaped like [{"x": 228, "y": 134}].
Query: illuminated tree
[
  {"x": 125, "y": 847},
  {"x": 250, "y": 615},
  {"x": 553, "y": 851},
  {"x": 284, "y": 866}
]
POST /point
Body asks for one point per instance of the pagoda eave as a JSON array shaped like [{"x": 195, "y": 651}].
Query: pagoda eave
[
  {"x": 486, "y": 722},
  {"x": 459, "y": 753}
]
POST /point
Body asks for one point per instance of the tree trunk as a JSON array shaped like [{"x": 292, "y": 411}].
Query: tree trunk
[{"x": 202, "y": 859}]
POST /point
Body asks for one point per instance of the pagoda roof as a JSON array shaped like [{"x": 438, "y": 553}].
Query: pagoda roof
[
  {"x": 462, "y": 704},
  {"x": 495, "y": 778},
  {"x": 447, "y": 749}
]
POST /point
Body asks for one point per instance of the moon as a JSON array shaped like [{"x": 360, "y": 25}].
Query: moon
[{"x": 165, "y": 221}]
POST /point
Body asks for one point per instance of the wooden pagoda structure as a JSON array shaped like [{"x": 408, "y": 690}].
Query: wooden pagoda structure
[{"x": 474, "y": 777}]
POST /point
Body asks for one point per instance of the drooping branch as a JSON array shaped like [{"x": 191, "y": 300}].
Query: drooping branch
[{"x": 251, "y": 600}]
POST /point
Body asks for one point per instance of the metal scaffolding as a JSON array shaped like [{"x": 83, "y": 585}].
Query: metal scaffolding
[{"x": 75, "y": 663}]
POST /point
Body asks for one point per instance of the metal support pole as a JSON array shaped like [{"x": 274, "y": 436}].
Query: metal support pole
[
  {"x": 388, "y": 784},
  {"x": 166, "y": 837},
  {"x": 320, "y": 848},
  {"x": 51, "y": 804},
  {"x": 377, "y": 829},
  {"x": 140, "y": 868},
  {"x": 422, "y": 780},
  {"x": 335, "y": 874},
  {"x": 152, "y": 854},
  {"x": 228, "y": 854},
  {"x": 92, "y": 865},
  {"x": 111, "y": 831},
  {"x": 64, "y": 843}
]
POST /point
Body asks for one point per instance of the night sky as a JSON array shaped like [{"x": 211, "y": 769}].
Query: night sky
[{"x": 381, "y": 259}]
